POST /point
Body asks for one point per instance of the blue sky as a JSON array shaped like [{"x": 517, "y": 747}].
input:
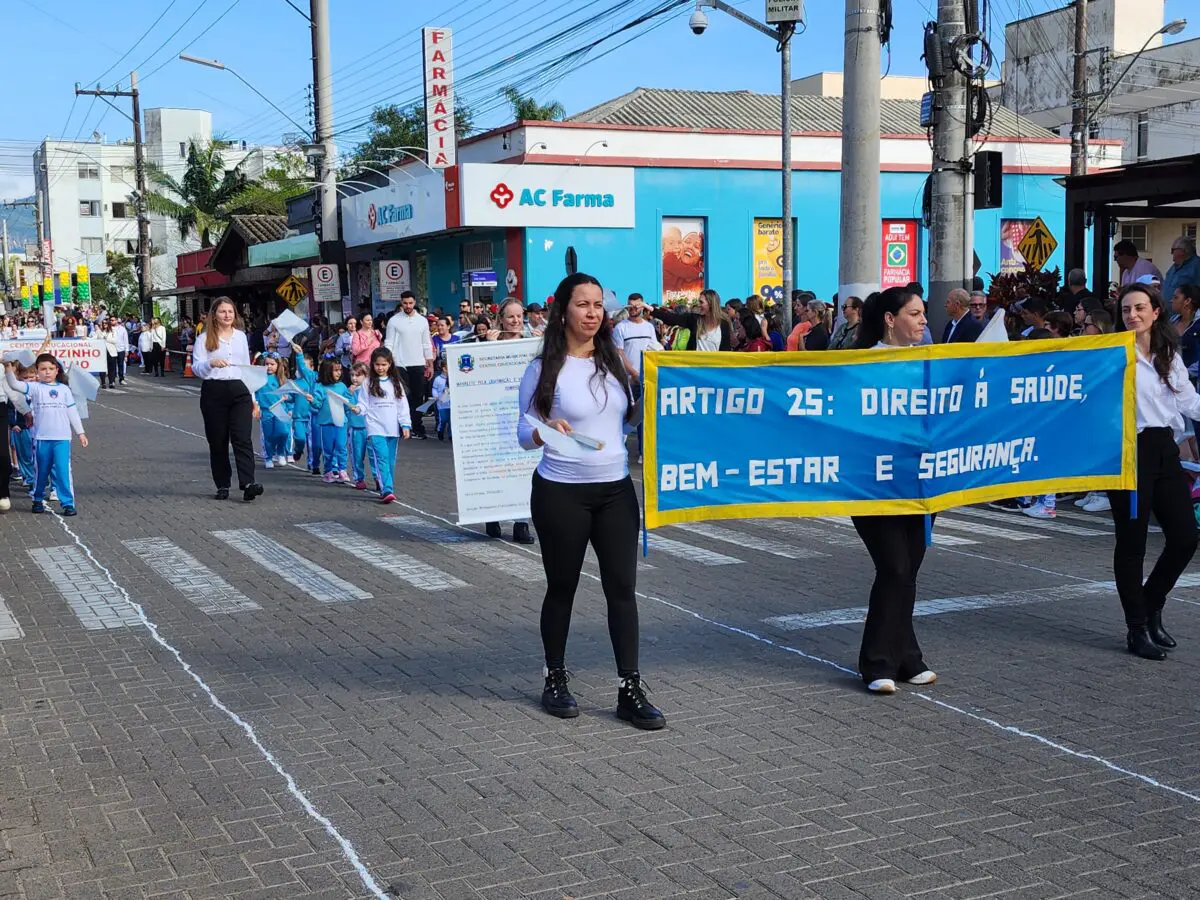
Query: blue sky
[{"x": 376, "y": 58}]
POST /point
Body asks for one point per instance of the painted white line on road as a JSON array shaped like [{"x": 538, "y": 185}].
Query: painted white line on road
[
  {"x": 835, "y": 537},
  {"x": 1021, "y": 520},
  {"x": 317, "y": 582},
  {"x": 979, "y": 529},
  {"x": 200, "y": 585},
  {"x": 151, "y": 421},
  {"x": 940, "y": 538},
  {"x": 697, "y": 555},
  {"x": 10, "y": 628},
  {"x": 381, "y": 556},
  {"x": 471, "y": 545},
  {"x": 750, "y": 542},
  {"x": 84, "y": 587}
]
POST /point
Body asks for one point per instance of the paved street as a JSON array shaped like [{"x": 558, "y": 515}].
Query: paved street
[{"x": 314, "y": 696}]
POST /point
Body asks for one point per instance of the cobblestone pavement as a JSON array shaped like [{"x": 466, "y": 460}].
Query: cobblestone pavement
[{"x": 313, "y": 696}]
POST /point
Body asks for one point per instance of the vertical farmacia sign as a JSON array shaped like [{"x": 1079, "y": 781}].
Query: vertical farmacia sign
[{"x": 438, "y": 54}]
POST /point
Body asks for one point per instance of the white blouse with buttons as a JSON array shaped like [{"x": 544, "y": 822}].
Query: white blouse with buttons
[
  {"x": 233, "y": 349},
  {"x": 1160, "y": 405}
]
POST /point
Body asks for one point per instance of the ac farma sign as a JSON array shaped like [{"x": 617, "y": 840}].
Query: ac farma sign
[{"x": 533, "y": 195}]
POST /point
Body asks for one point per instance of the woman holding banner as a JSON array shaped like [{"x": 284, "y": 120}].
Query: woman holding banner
[
  {"x": 577, "y": 387},
  {"x": 1165, "y": 396},
  {"x": 511, "y": 318},
  {"x": 890, "y": 652}
]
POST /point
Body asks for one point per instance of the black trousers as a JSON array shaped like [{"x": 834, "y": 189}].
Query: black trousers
[
  {"x": 5, "y": 458},
  {"x": 154, "y": 360},
  {"x": 228, "y": 411},
  {"x": 112, "y": 371},
  {"x": 1163, "y": 490},
  {"x": 567, "y": 518},
  {"x": 415, "y": 384},
  {"x": 889, "y": 644}
]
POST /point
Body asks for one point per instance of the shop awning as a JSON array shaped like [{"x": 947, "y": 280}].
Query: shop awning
[{"x": 291, "y": 249}]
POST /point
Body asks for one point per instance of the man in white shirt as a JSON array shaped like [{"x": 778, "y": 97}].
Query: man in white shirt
[
  {"x": 409, "y": 340},
  {"x": 122, "y": 342},
  {"x": 633, "y": 337}
]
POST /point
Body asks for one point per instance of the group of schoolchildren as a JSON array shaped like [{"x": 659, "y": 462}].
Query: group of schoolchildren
[{"x": 316, "y": 416}]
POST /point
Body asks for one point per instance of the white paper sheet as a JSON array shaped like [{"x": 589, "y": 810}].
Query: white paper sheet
[
  {"x": 25, "y": 357},
  {"x": 337, "y": 408},
  {"x": 426, "y": 406},
  {"x": 994, "y": 332},
  {"x": 254, "y": 377},
  {"x": 288, "y": 324},
  {"x": 557, "y": 441}
]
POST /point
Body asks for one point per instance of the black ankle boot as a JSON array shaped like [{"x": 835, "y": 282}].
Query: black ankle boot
[
  {"x": 493, "y": 530},
  {"x": 1140, "y": 644},
  {"x": 556, "y": 698},
  {"x": 521, "y": 533},
  {"x": 632, "y": 705},
  {"x": 1158, "y": 634}
]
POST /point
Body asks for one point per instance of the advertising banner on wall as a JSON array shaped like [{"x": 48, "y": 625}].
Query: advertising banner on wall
[
  {"x": 1012, "y": 232},
  {"x": 410, "y": 207},
  {"x": 438, "y": 55},
  {"x": 682, "y": 259},
  {"x": 899, "y": 253},
  {"x": 497, "y": 195},
  {"x": 768, "y": 259}
]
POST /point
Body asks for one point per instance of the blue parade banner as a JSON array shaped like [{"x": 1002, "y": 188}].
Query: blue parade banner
[{"x": 885, "y": 431}]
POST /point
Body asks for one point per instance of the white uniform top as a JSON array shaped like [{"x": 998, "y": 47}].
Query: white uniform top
[
  {"x": 409, "y": 340},
  {"x": 385, "y": 415},
  {"x": 634, "y": 338},
  {"x": 593, "y": 408},
  {"x": 1158, "y": 406},
  {"x": 234, "y": 350},
  {"x": 53, "y": 407}
]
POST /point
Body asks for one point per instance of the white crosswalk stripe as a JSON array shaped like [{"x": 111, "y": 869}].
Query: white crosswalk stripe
[
  {"x": 96, "y": 603},
  {"x": 750, "y": 542},
  {"x": 691, "y": 554},
  {"x": 200, "y": 585},
  {"x": 1024, "y": 521},
  {"x": 319, "y": 583},
  {"x": 798, "y": 530},
  {"x": 940, "y": 538},
  {"x": 483, "y": 550},
  {"x": 980, "y": 529},
  {"x": 405, "y": 567},
  {"x": 10, "y": 628}
]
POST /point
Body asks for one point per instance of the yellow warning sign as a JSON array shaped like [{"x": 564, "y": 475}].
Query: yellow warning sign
[
  {"x": 292, "y": 290},
  {"x": 1037, "y": 245}
]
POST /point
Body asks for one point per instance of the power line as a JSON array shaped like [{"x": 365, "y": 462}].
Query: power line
[
  {"x": 210, "y": 27},
  {"x": 135, "y": 44}
]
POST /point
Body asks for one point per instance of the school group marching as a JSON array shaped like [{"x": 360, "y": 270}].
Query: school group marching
[{"x": 582, "y": 383}]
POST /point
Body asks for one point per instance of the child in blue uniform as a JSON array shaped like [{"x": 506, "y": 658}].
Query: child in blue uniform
[
  {"x": 306, "y": 380},
  {"x": 333, "y": 436},
  {"x": 274, "y": 414},
  {"x": 382, "y": 401},
  {"x": 356, "y": 423}
]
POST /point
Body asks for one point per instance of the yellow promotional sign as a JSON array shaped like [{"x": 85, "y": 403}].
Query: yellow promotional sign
[
  {"x": 767, "y": 277},
  {"x": 1037, "y": 245}
]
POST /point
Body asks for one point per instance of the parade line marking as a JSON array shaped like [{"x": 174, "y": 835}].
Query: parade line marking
[
  {"x": 319, "y": 583},
  {"x": 795, "y": 651},
  {"x": 10, "y": 628},
  {"x": 347, "y": 848},
  {"x": 84, "y": 587}
]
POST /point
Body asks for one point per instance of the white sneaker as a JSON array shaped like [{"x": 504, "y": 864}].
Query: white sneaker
[
  {"x": 882, "y": 686},
  {"x": 1098, "y": 503},
  {"x": 5, "y": 504},
  {"x": 268, "y": 464},
  {"x": 1086, "y": 499},
  {"x": 51, "y": 495},
  {"x": 281, "y": 461},
  {"x": 926, "y": 677},
  {"x": 1040, "y": 511}
]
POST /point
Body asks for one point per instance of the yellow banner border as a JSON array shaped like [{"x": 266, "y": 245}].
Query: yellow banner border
[{"x": 651, "y": 361}]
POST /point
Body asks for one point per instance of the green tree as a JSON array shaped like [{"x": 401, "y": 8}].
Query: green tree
[
  {"x": 117, "y": 290},
  {"x": 392, "y": 126},
  {"x": 200, "y": 201},
  {"x": 526, "y": 109},
  {"x": 290, "y": 176}
]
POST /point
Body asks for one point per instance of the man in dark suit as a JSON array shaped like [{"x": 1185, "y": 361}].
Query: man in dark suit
[{"x": 963, "y": 328}]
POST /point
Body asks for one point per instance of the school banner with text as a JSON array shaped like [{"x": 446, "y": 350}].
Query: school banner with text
[{"x": 887, "y": 431}]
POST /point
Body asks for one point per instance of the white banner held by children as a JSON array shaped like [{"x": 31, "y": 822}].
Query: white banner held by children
[
  {"x": 89, "y": 355},
  {"x": 492, "y": 473}
]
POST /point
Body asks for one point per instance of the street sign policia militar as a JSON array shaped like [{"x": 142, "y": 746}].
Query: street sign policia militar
[{"x": 781, "y": 11}]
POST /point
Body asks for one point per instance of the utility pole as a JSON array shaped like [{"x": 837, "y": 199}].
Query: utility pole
[
  {"x": 332, "y": 249},
  {"x": 4, "y": 263},
  {"x": 139, "y": 157},
  {"x": 45, "y": 266},
  {"x": 786, "y": 30},
  {"x": 948, "y": 251},
  {"x": 1079, "y": 98},
  {"x": 861, "y": 217}
]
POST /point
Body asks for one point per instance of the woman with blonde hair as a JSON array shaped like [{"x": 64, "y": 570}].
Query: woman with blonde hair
[{"x": 708, "y": 327}]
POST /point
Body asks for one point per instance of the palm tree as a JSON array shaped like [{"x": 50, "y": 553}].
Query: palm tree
[
  {"x": 527, "y": 109},
  {"x": 199, "y": 202}
]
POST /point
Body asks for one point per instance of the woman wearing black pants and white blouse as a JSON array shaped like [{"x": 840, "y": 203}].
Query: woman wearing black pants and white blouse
[
  {"x": 1164, "y": 397},
  {"x": 226, "y": 403},
  {"x": 578, "y": 383}
]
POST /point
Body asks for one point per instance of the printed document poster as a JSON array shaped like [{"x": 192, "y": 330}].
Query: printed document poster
[
  {"x": 768, "y": 259},
  {"x": 492, "y": 473},
  {"x": 1012, "y": 232},
  {"x": 682, "y": 259}
]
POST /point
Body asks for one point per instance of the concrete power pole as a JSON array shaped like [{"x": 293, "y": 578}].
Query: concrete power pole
[
  {"x": 45, "y": 266},
  {"x": 1079, "y": 99},
  {"x": 323, "y": 91},
  {"x": 859, "y": 267},
  {"x": 948, "y": 253},
  {"x": 4, "y": 263}
]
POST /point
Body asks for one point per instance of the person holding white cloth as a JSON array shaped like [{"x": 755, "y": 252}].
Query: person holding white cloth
[{"x": 578, "y": 383}]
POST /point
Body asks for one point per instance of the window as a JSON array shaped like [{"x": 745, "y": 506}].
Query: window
[
  {"x": 89, "y": 207},
  {"x": 1143, "y": 136},
  {"x": 477, "y": 256},
  {"x": 92, "y": 245},
  {"x": 182, "y": 150},
  {"x": 1189, "y": 230},
  {"x": 1135, "y": 233},
  {"x": 121, "y": 173},
  {"x": 122, "y": 211},
  {"x": 130, "y": 248},
  {"x": 89, "y": 172}
]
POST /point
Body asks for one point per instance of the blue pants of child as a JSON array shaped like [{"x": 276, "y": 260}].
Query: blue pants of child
[
  {"x": 276, "y": 436},
  {"x": 53, "y": 461},
  {"x": 315, "y": 442},
  {"x": 443, "y": 420},
  {"x": 358, "y": 453},
  {"x": 23, "y": 443},
  {"x": 382, "y": 450},
  {"x": 333, "y": 445},
  {"x": 300, "y": 433}
]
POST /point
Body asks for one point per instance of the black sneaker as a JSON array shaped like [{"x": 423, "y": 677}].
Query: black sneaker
[
  {"x": 250, "y": 491},
  {"x": 521, "y": 533},
  {"x": 1012, "y": 505},
  {"x": 39, "y": 506},
  {"x": 632, "y": 705},
  {"x": 493, "y": 530},
  {"x": 69, "y": 511},
  {"x": 222, "y": 494},
  {"x": 556, "y": 698}
]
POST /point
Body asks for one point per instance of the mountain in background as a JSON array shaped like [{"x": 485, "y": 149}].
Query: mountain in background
[{"x": 21, "y": 227}]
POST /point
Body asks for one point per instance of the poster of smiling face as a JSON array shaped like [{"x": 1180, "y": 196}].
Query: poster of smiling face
[{"x": 682, "y": 259}]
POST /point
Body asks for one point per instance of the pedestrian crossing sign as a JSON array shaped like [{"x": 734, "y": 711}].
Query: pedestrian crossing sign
[
  {"x": 897, "y": 254},
  {"x": 292, "y": 290},
  {"x": 1037, "y": 245}
]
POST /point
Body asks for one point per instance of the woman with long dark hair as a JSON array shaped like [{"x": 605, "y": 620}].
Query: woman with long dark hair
[
  {"x": 890, "y": 652},
  {"x": 578, "y": 383},
  {"x": 1165, "y": 396},
  {"x": 225, "y": 401}
]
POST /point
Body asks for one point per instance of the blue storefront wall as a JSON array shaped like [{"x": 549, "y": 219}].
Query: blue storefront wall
[
  {"x": 443, "y": 262},
  {"x": 629, "y": 260}
]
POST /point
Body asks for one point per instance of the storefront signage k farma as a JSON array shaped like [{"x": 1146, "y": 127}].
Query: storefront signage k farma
[
  {"x": 499, "y": 195},
  {"x": 407, "y": 208}
]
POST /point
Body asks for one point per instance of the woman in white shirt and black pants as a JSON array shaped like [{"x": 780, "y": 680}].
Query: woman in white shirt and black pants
[
  {"x": 579, "y": 383},
  {"x": 1164, "y": 397},
  {"x": 226, "y": 403}
]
